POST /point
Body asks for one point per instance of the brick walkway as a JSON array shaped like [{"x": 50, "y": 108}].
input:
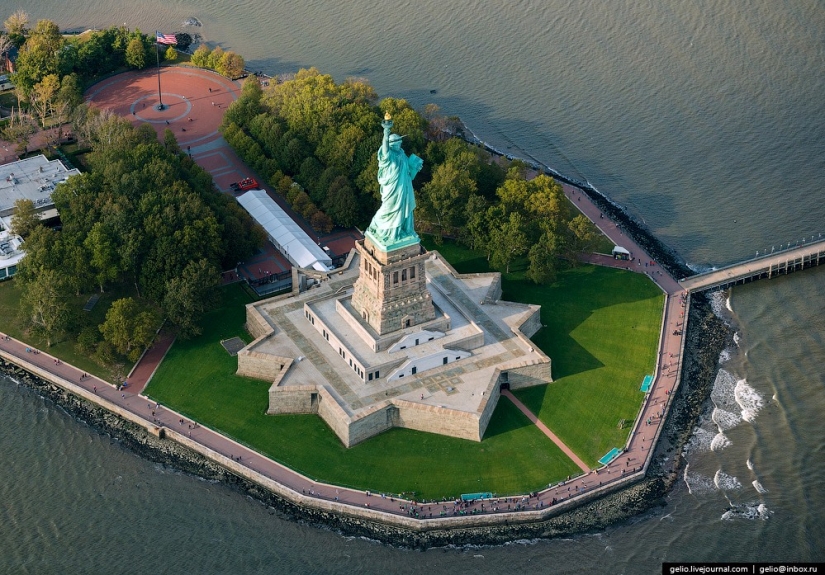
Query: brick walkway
[
  {"x": 190, "y": 93},
  {"x": 544, "y": 429}
]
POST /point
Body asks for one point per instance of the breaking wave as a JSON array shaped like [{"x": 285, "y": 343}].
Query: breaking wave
[
  {"x": 750, "y": 511},
  {"x": 725, "y": 482}
]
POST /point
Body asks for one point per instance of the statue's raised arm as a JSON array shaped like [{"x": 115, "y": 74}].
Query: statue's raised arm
[
  {"x": 393, "y": 227},
  {"x": 385, "y": 143}
]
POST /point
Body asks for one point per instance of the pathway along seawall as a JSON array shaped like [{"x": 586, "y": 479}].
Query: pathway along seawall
[
  {"x": 663, "y": 254},
  {"x": 707, "y": 336}
]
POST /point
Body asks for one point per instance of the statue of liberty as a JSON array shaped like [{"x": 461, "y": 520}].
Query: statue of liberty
[{"x": 392, "y": 226}]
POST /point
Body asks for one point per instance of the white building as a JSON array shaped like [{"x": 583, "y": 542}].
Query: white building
[
  {"x": 32, "y": 179},
  {"x": 10, "y": 250},
  {"x": 287, "y": 236}
]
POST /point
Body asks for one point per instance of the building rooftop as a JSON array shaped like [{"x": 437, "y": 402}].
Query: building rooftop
[
  {"x": 31, "y": 179},
  {"x": 284, "y": 233}
]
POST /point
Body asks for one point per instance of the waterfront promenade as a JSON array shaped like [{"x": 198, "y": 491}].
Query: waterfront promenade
[
  {"x": 628, "y": 466},
  {"x": 200, "y": 138}
]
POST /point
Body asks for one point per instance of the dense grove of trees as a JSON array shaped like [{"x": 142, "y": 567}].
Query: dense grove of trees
[
  {"x": 315, "y": 141},
  {"x": 145, "y": 218},
  {"x": 226, "y": 63}
]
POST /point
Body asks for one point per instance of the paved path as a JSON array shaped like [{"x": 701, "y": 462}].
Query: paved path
[
  {"x": 553, "y": 437},
  {"x": 211, "y": 153},
  {"x": 148, "y": 364}
]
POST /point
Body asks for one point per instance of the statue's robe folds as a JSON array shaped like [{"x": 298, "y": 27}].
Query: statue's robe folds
[{"x": 393, "y": 222}]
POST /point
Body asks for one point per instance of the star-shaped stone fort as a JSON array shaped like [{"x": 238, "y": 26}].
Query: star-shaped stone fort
[{"x": 396, "y": 338}]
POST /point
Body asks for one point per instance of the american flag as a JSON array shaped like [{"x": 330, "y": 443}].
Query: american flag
[{"x": 165, "y": 38}]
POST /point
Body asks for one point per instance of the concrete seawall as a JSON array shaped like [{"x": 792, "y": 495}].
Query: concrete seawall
[{"x": 591, "y": 510}]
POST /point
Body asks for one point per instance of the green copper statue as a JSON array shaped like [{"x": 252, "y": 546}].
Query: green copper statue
[{"x": 392, "y": 226}]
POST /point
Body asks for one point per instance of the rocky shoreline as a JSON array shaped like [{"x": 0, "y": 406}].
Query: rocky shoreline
[{"x": 707, "y": 336}]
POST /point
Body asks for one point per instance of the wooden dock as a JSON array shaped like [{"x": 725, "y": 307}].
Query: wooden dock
[{"x": 762, "y": 267}]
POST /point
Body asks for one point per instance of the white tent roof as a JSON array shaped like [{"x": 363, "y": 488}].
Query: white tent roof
[
  {"x": 287, "y": 236},
  {"x": 620, "y": 250}
]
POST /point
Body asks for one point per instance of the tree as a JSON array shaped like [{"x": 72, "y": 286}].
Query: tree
[
  {"x": 508, "y": 241},
  {"x": 39, "y": 57},
  {"x": 184, "y": 40},
  {"x": 43, "y": 305},
  {"x": 231, "y": 65},
  {"x": 16, "y": 24},
  {"x": 43, "y": 95},
  {"x": 444, "y": 197},
  {"x": 201, "y": 56},
  {"x": 190, "y": 295},
  {"x": 136, "y": 53},
  {"x": 6, "y": 44},
  {"x": 584, "y": 236},
  {"x": 476, "y": 232},
  {"x": 171, "y": 54},
  {"x": 214, "y": 59},
  {"x": 18, "y": 130},
  {"x": 25, "y": 218},
  {"x": 341, "y": 203},
  {"x": 129, "y": 329},
  {"x": 543, "y": 257},
  {"x": 105, "y": 260}
]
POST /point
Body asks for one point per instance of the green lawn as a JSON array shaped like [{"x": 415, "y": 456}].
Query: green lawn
[
  {"x": 197, "y": 378},
  {"x": 602, "y": 334},
  {"x": 64, "y": 346}
]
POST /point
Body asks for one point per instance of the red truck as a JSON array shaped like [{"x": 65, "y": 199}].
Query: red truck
[{"x": 245, "y": 184}]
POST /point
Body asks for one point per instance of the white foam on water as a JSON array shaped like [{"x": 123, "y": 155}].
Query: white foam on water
[
  {"x": 749, "y": 463},
  {"x": 725, "y": 419},
  {"x": 719, "y": 442},
  {"x": 748, "y": 399},
  {"x": 736, "y": 338},
  {"x": 722, "y": 393},
  {"x": 727, "y": 303},
  {"x": 758, "y": 486},
  {"x": 699, "y": 441},
  {"x": 751, "y": 511},
  {"x": 698, "y": 483},
  {"x": 725, "y": 482},
  {"x": 724, "y": 356},
  {"x": 717, "y": 303}
]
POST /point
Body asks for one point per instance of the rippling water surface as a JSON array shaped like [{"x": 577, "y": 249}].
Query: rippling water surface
[{"x": 705, "y": 119}]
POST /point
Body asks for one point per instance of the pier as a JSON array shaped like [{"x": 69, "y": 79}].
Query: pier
[{"x": 761, "y": 267}]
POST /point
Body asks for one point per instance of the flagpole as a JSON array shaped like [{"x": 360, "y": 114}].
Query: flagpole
[{"x": 160, "y": 105}]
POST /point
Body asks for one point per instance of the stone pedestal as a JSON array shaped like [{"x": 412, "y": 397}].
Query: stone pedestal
[{"x": 391, "y": 290}]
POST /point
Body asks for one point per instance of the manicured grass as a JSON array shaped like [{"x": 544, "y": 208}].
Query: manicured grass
[
  {"x": 602, "y": 333},
  {"x": 197, "y": 378}
]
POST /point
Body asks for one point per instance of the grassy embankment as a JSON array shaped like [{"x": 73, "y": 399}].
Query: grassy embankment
[
  {"x": 197, "y": 378},
  {"x": 601, "y": 332},
  {"x": 65, "y": 346}
]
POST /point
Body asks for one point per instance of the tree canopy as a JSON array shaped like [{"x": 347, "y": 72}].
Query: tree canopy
[
  {"x": 143, "y": 216},
  {"x": 316, "y": 140}
]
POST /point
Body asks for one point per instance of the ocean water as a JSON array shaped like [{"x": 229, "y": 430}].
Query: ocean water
[{"x": 705, "y": 119}]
